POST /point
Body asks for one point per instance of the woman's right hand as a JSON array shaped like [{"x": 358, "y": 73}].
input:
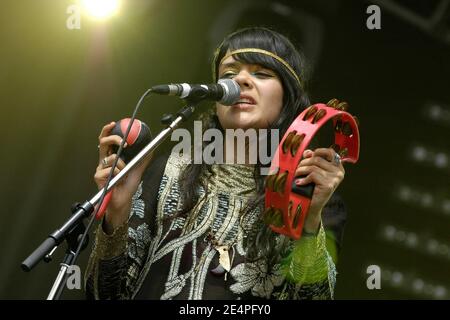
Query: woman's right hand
[{"x": 119, "y": 206}]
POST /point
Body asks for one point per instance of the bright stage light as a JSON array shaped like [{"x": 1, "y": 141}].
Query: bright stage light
[{"x": 101, "y": 9}]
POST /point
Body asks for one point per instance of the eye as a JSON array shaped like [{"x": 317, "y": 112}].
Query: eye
[
  {"x": 262, "y": 74},
  {"x": 228, "y": 75}
]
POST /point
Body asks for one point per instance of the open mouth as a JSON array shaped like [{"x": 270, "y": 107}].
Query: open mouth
[{"x": 244, "y": 102}]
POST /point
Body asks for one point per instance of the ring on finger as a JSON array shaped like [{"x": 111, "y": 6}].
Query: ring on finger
[
  {"x": 105, "y": 162},
  {"x": 337, "y": 159}
]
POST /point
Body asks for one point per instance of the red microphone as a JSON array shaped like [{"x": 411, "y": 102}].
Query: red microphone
[{"x": 138, "y": 137}]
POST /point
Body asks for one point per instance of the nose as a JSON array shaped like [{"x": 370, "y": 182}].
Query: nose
[{"x": 243, "y": 78}]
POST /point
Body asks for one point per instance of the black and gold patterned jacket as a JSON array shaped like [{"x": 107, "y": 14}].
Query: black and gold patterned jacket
[{"x": 150, "y": 257}]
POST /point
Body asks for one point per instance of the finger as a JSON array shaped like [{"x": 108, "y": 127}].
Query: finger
[
  {"x": 325, "y": 181},
  {"x": 319, "y": 162},
  {"x": 330, "y": 155},
  {"x": 104, "y": 173},
  {"x": 326, "y": 153},
  {"x": 308, "y": 153},
  {"x": 101, "y": 175},
  {"x": 106, "y": 130},
  {"x": 120, "y": 164},
  {"x": 312, "y": 177},
  {"x": 305, "y": 170},
  {"x": 106, "y": 143},
  {"x": 108, "y": 161}
]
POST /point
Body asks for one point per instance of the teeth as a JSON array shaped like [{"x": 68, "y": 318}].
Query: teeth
[{"x": 244, "y": 101}]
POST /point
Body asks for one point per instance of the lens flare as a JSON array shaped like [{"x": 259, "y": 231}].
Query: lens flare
[{"x": 101, "y": 9}]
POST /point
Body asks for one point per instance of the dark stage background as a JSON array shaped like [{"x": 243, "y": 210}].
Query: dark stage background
[{"x": 58, "y": 87}]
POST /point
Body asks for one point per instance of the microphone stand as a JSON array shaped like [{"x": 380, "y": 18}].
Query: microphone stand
[
  {"x": 71, "y": 229},
  {"x": 73, "y": 239}
]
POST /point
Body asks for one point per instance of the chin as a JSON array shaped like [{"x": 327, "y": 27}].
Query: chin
[
  {"x": 239, "y": 124},
  {"x": 231, "y": 118}
]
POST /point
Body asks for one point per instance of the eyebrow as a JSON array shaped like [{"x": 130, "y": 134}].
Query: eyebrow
[{"x": 234, "y": 64}]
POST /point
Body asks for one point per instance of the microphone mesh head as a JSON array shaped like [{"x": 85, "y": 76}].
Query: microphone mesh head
[{"x": 232, "y": 91}]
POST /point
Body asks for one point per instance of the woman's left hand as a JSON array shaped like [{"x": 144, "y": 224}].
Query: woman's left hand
[{"x": 324, "y": 168}]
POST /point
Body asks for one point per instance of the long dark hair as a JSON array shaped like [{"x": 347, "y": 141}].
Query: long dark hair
[{"x": 295, "y": 100}]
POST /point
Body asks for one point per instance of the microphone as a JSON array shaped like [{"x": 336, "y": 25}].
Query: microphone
[
  {"x": 138, "y": 137},
  {"x": 226, "y": 91}
]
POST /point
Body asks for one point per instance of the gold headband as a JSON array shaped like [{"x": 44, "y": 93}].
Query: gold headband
[{"x": 268, "y": 53}]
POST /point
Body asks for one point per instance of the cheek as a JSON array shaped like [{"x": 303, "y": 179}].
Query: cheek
[
  {"x": 220, "y": 112},
  {"x": 274, "y": 104},
  {"x": 220, "y": 109}
]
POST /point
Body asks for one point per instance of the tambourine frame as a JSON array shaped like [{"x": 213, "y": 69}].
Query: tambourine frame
[{"x": 286, "y": 210}]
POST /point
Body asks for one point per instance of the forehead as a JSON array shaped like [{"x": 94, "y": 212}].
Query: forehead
[{"x": 230, "y": 62}]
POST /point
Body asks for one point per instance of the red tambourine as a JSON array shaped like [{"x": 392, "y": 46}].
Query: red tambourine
[{"x": 286, "y": 203}]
